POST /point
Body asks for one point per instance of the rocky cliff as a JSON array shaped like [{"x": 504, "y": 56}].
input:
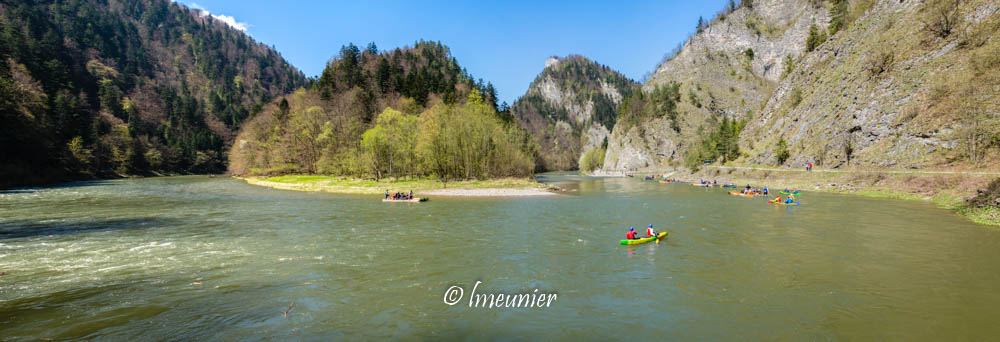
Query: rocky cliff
[
  {"x": 882, "y": 83},
  {"x": 570, "y": 108}
]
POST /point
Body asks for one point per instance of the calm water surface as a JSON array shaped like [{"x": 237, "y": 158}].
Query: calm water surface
[{"x": 214, "y": 258}]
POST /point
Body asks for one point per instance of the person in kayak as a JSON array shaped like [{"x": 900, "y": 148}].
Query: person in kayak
[
  {"x": 650, "y": 231},
  {"x": 789, "y": 200},
  {"x": 631, "y": 234}
]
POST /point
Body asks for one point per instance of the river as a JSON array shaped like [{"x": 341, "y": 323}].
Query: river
[{"x": 201, "y": 258}]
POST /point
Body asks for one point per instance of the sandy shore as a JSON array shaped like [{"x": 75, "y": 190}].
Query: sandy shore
[
  {"x": 488, "y": 192},
  {"x": 494, "y": 188}
]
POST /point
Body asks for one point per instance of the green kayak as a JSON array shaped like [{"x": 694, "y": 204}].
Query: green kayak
[{"x": 644, "y": 240}]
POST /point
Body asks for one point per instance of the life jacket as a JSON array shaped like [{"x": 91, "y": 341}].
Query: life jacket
[
  {"x": 650, "y": 232},
  {"x": 630, "y": 235}
]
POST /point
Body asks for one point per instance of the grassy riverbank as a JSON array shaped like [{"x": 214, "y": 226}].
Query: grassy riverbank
[
  {"x": 335, "y": 184},
  {"x": 946, "y": 189}
]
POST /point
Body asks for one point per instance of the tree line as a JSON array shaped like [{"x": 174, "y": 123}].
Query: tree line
[
  {"x": 354, "y": 122},
  {"x": 100, "y": 88}
]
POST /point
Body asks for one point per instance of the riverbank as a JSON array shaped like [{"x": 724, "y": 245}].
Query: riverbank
[
  {"x": 506, "y": 187},
  {"x": 946, "y": 189}
]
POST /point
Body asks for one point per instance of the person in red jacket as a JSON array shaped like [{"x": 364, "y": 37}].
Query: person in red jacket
[{"x": 631, "y": 234}]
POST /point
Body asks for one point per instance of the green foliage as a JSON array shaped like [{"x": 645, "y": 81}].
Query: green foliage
[
  {"x": 80, "y": 153},
  {"x": 789, "y": 64},
  {"x": 721, "y": 144},
  {"x": 694, "y": 98},
  {"x": 425, "y": 71},
  {"x": 781, "y": 151},
  {"x": 470, "y": 141},
  {"x": 795, "y": 98},
  {"x": 96, "y": 86},
  {"x": 748, "y": 53},
  {"x": 815, "y": 39},
  {"x": 389, "y": 146},
  {"x": 593, "y": 159},
  {"x": 838, "y": 16},
  {"x": 752, "y": 25},
  {"x": 330, "y": 136},
  {"x": 662, "y": 101}
]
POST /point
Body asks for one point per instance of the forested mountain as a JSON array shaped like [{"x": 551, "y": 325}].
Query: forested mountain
[
  {"x": 570, "y": 108},
  {"x": 834, "y": 83},
  {"x": 98, "y": 88},
  {"x": 406, "y": 112}
]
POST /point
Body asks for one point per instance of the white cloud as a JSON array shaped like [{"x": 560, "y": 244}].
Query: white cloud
[{"x": 228, "y": 19}]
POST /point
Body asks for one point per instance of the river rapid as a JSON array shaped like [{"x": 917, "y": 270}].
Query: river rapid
[{"x": 198, "y": 258}]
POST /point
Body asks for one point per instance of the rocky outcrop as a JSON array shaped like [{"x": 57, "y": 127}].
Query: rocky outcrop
[
  {"x": 892, "y": 88},
  {"x": 570, "y": 108},
  {"x": 885, "y": 92}
]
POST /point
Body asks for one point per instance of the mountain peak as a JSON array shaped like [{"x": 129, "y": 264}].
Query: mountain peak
[{"x": 552, "y": 61}]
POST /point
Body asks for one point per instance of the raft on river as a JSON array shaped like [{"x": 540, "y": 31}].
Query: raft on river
[
  {"x": 644, "y": 240},
  {"x": 412, "y": 200}
]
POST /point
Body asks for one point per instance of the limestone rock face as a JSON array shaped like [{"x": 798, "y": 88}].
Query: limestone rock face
[
  {"x": 570, "y": 109},
  {"x": 887, "y": 87}
]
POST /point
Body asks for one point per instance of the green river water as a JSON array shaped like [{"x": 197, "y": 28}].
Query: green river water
[{"x": 198, "y": 258}]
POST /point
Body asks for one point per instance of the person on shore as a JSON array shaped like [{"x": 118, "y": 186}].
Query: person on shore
[
  {"x": 411, "y": 193},
  {"x": 765, "y": 191},
  {"x": 631, "y": 234},
  {"x": 650, "y": 231},
  {"x": 386, "y": 193}
]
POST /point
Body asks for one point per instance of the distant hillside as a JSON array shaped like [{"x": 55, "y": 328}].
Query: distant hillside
[
  {"x": 880, "y": 83},
  {"x": 570, "y": 108},
  {"x": 405, "y": 112},
  {"x": 99, "y": 88}
]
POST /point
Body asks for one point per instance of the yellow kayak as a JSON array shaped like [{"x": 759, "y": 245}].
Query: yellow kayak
[{"x": 644, "y": 240}]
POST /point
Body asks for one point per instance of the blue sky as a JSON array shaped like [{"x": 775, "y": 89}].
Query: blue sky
[{"x": 504, "y": 42}]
